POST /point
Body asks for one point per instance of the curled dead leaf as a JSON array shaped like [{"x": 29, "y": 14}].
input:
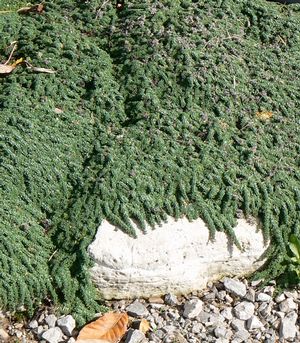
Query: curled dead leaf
[
  {"x": 35, "y": 8},
  {"x": 109, "y": 328},
  {"x": 264, "y": 115}
]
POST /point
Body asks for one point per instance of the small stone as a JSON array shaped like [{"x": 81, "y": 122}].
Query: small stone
[
  {"x": 67, "y": 324},
  {"x": 287, "y": 328},
  {"x": 244, "y": 310},
  {"x": 235, "y": 287},
  {"x": 156, "y": 300},
  {"x": 220, "y": 332},
  {"x": 221, "y": 295},
  {"x": 41, "y": 318},
  {"x": 4, "y": 336},
  {"x": 227, "y": 313},
  {"x": 280, "y": 298},
  {"x": 51, "y": 320},
  {"x": 39, "y": 330},
  {"x": 250, "y": 295},
  {"x": 171, "y": 299},
  {"x": 192, "y": 308},
  {"x": 71, "y": 340},
  {"x": 264, "y": 309},
  {"x": 238, "y": 324},
  {"x": 197, "y": 327},
  {"x": 288, "y": 305},
  {"x": 254, "y": 323},
  {"x": 255, "y": 283},
  {"x": 228, "y": 299},
  {"x": 137, "y": 309},
  {"x": 134, "y": 336},
  {"x": 203, "y": 317},
  {"x": 263, "y": 297},
  {"x": 53, "y": 335},
  {"x": 242, "y": 335},
  {"x": 33, "y": 324}
]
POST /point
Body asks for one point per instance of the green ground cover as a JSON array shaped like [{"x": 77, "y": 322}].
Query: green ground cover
[{"x": 160, "y": 113}]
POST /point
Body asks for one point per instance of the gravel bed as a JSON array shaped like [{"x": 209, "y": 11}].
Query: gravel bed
[{"x": 227, "y": 311}]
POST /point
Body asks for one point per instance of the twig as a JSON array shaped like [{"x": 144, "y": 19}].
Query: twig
[
  {"x": 12, "y": 51},
  {"x": 50, "y": 258}
]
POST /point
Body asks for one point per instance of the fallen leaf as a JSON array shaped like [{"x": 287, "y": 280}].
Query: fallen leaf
[
  {"x": 109, "y": 328},
  {"x": 6, "y": 69},
  {"x": 264, "y": 115},
  {"x": 43, "y": 70},
  {"x": 35, "y": 8},
  {"x": 144, "y": 326}
]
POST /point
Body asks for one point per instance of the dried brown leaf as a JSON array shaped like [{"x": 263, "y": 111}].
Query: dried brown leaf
[
  {"x": 43, "y": 70},
  {"x": 264, "y": 115},
  {"x": 6, "y": 69},
  {"x": 35, "y": 8},
  {"x": 109, "y": 328}
]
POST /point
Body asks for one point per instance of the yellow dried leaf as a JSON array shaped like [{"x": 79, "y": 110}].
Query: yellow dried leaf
[
  {"x": 109, "y": 328},
  {"x": 144, "y": 326},
  {"x": 20, "y": 60},
  {"x": 264, "y": 115}
]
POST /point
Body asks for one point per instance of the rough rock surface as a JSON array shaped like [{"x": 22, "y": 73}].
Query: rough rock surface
[{"x": 176, "y": 257}]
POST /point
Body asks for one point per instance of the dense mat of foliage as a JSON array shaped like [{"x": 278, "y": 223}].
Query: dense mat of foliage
[{"x": 164, "y": 108}]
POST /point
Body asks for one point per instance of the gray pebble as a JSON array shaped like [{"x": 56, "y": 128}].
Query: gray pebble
[
  {"x": 67, "y": 324},
  {"x": 51, "y": 320},
  {"x": 134, "y": 336},
  {"x": 287, "y": 328},
  {"x": 192, "y": 308},
  {"x": 171, "y": 299},
  {"x": 137, "y": 309},
  {"x": 236, "y": 287},
  {"x": 244, "y": 310}
]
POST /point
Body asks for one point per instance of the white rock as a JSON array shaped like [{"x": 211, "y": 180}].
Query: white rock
[
  {"x": 174, "y": 258},
  {"x": 67, "y": 324},
  {"x": 227, "y": 313},
  {"x": 254, "y": 323},
  {"x": 244, "y": 310},
  {"x": 33, "y": 324},
  {"x": 238, "y": 324},
  {"x": 280, "y": 298},
  {"x": 287, "y": 328},
  {"x": 242, "y": 335},
  {"x": 53, "y": 335},
  {"x": 263, "y": 297},
  {"x": 236, "y": 287},
  {"x": 192, "y": 308},
  {"x": 288, "y": 305},
  {"x": 51, "y": 320},
  {"x": 220, "y": 332}
]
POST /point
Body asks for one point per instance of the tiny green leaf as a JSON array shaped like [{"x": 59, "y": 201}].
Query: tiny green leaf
[{"x": 294, "y": 245}]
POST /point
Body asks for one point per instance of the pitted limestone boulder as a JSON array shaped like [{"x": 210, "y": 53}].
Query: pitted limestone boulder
[{"x": 177, "y": 257}]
